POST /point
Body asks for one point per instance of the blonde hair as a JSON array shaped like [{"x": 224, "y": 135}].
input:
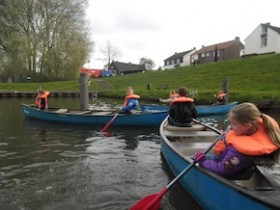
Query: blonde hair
[{"x": 249, "y": 113}]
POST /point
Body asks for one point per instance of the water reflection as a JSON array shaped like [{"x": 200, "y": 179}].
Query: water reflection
[{"x": 55, "y": 166}]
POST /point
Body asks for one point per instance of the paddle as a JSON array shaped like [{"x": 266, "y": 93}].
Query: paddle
[
  {"x": 152, "y": 202},
  {"x": 109, "y": 123}
]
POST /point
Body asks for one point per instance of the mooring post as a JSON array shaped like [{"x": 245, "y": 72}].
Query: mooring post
[
  {"x": 84, "y": 91},
  {"x": 225, "y": 86}
]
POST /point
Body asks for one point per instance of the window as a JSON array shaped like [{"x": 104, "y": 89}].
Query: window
[
  {"x": 263, "y": 40},
  {"x": 203, "y": 55},
  {"x": 207, "y": 54},
  {"x": 264, "y": 29},
  {"x": 175, "y": 61},
  {"x": 218, "y": 53},
  {"x": 181, "y": 60}
]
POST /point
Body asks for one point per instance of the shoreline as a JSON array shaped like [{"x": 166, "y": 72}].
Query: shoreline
[{"x": 264, "y": 104}]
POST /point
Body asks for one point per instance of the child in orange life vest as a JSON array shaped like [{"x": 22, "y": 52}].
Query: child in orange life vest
[
  {"x": 253, "y": 135},
  {"x": 182, "y": 110},
  {"x": 131, "y": 101},
  {"x": 220, "y": 97},
  {"x": 42, "y": 99},
  {"x": 173, "y": 95}
]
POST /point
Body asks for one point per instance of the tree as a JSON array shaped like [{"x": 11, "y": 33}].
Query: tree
[
  {"x": 216, "y": 59},
  {"x": 110, "y": 53},
  {"x": 149, "y": 63},
  {"x": 45, "y": 38}
]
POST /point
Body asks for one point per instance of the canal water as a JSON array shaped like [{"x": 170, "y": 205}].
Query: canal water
[{"x": 52, "y": 166}]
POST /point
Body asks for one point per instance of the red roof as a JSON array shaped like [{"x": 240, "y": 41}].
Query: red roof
[{"x": 220, "y": 46}]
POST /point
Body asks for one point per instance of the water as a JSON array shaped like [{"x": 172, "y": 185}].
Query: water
[{"x": 55, "y": 167}]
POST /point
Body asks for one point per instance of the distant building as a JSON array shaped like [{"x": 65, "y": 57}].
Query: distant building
[
  {"x": 179, "y": 59},
  {"x": 120, "y": 68},
  {"x": 264, "y": 39},
  {"x": 219, "y": 52}
]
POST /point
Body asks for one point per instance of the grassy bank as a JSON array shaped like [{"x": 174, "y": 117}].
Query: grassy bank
[{"x": 255, "y": 79}]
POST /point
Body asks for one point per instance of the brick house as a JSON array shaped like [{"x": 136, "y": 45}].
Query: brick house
[{"x": 218, "y": 52}]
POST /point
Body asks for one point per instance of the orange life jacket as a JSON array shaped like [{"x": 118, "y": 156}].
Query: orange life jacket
[
  {"x": 129, "y": 97},
  {"x": 256, "y": 144},
  {"x": 221, "y": 95},
  {"x": 182, "y": 99},
  {"x": 40, "y": 96}
]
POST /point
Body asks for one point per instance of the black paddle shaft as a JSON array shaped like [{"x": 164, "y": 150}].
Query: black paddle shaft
[{"x": 194, "y": 162}]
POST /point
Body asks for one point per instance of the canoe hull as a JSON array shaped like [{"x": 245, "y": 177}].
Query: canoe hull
[
  {"x": 201, "y": 110},
  {"x": 145, "y": 119},
  {"x": 211, "y": 191}
]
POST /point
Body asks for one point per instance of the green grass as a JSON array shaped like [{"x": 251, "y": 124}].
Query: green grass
[{"x": 250, "y": 79}]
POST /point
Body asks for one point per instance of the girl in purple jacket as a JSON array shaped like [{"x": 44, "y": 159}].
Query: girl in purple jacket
[{"x": 252, "y": 135}]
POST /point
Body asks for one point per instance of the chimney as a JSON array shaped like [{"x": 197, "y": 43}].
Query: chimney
[
  {"x": 268, "y": 24},
  {"x": 202, "y": 46},
  {"x": 237, "y": 38}
]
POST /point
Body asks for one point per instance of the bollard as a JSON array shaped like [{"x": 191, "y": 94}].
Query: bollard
[{"x": 84, "y": 92}]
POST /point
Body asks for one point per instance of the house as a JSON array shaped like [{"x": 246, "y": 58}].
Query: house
[
  {"x": 264, "y": 39},
  {"x": 219, "y": 52},
  {"x": 178, "y": 59},
  {"x": 120, "y": 68}
]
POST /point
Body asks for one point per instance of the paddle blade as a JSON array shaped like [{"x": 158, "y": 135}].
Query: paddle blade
[{"x": 150, "y": 202}]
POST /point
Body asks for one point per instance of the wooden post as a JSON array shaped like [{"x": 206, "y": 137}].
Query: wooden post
[
  {"x": 84, "y": 91},
  {"x": 225, "y": 87}
]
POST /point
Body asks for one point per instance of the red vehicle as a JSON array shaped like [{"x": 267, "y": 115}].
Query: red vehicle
[{"x": 92, "y": 72}]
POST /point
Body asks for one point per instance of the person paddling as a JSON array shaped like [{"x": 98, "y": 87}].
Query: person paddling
[
  {"x": 254, "y": 139},
  {"x": 220, "y": 97},
  {"x": 182, "y": 110},
  {"x": 131, "y": 101},
  {"x": 42, "y": 99}
]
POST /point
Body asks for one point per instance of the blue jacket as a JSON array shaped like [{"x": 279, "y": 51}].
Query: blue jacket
[{"x": 132, "y": 104}]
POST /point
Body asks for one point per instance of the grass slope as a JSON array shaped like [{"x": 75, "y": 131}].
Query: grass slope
[{"x": 250, "y": 79}]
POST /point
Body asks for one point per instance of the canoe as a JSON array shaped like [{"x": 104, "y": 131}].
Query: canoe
[
  {"x": 254, "y": 190},
  {"x": 92, "y": 117},
  {"x": 201, "y": 110}
]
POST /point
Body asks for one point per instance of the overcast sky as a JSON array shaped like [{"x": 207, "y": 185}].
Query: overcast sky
[{"x": 157, "y": 29}]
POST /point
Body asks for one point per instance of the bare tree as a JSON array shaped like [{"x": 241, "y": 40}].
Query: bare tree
[
  {"x": 110, "y": 53},
  {"x": 149, "y": 63}
]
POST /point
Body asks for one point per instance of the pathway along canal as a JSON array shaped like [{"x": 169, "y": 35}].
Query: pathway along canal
[{"x": 57, "y": 167}]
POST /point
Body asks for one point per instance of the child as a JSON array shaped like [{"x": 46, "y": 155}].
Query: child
[
  {"x": 131, "y": 101},
  {"x": 253, "y": 135},
  {"x": 42, "y": 99},
  {"x": 220, "y": 98},
  {"x": 173, "y": 95},
  {"x": 182, "y": 110}
]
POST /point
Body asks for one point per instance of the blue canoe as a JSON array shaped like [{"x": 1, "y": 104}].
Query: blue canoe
[
  {"x": 255, "y": 190},
  {"x": 98, "y": 118},
  {"x": 202, "y": 110}
]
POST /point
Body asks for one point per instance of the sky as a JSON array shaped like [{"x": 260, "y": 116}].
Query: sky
[{"x": 156, "y": 29}]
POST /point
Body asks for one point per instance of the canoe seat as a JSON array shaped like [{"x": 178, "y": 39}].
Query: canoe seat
[
  {"x": 190, "y": 133},
  {"x": 61, "y": 111},
  {"x": 84, "y": 112},
  {"x": 254, "y": 180},
  {"x": 195, "y": 127},
  {"x": 101, "y": 113}
]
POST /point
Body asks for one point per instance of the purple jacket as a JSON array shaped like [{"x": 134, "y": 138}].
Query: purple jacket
[{"x": 229, "y": 163}]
